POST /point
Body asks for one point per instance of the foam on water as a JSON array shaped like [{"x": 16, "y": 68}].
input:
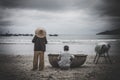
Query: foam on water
[
  {"x": 53, "y": 41},
  {"x": 23, "y": 45}
]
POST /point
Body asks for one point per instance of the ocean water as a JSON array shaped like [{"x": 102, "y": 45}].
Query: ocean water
[{"x": 79, "y": 44}]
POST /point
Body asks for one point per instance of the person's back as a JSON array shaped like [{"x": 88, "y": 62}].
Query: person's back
[
  {"x": 65, "y": 59},
  {"x": 40, "y": 42}
]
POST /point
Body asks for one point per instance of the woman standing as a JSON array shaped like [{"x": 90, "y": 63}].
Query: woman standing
[{"x": 40, "y": 42}]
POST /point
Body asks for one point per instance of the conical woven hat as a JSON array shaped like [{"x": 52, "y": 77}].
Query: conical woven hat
[{"x": 40, "y": 32}]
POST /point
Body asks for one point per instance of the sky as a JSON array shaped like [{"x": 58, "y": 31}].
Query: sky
[{"x": 59, "y": 16}]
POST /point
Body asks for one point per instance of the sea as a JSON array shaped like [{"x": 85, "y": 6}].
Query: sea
[{"x": 78, "y": 44}]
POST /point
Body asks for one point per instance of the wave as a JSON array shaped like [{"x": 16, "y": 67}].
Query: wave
[{"x": 53, "y": 41}]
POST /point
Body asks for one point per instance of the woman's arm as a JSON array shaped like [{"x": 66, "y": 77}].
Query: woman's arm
[
  {"x": 46, "y": 40},
  {"x": 34, "y": 39},
  {"x": 72, "y": 57},
  {"x": 59, "y": 57}
]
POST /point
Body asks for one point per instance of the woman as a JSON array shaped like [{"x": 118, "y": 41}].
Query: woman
[{"x": 40, "y": 42}]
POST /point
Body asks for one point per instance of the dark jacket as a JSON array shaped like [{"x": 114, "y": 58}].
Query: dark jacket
[{"x": 39, "y": 43}]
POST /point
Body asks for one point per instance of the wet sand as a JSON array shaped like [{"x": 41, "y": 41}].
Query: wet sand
[{"x": 18, "y": 67}]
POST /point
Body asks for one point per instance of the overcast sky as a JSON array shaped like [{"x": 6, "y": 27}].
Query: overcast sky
[{"x": 57, "y": 16}]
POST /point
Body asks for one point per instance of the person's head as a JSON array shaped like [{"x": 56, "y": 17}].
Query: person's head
[
  {"x": 40, "y": 32},
  {"x": 66, "y": 48}
]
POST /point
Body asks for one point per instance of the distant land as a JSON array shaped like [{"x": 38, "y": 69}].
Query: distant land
[
  {"x": 110, "y": 32},
  {"x": 8, "y": 34},
  {"x": 15, "y": 34},
  {"x": 53, "y": 34}
]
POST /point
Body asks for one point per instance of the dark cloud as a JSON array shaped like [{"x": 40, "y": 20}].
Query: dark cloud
[
  {"x": 103, "y": 8},
  {"x": 46, "y": 5},
  {"x": 3, "y": 15},
  {"x": 111, "y": 9},
  {"x": 11, "y": 3},
  {"x": 5, "y": 23},
  {"x": 55, "y": 5},
  {"x": 33, "y": 4},
  {"x": 4, "y": 5}
]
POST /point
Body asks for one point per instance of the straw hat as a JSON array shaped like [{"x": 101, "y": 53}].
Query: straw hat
[{"x": 40, "y": 32}]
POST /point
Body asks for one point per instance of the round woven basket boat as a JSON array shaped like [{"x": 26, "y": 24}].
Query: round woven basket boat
[{"x": 76, "y": 62}]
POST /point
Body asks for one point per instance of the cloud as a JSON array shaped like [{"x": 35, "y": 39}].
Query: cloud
[
  {"x": 111, "y": 9},
  {"x": 41, "y": 5},
  {"x": 3, "y": 14},
  {"x": 77, "y": 15},
  {"x": 77, "y": 21},
  {"x": 11, "y": 3},
  {"x": 5, "y": 23},
  {"x": 48, "y": 5}
]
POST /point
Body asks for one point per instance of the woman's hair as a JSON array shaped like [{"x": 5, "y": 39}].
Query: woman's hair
[{"x": 66, "y": 48}]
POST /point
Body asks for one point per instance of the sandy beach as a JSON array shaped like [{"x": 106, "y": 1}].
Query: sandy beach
[
  {"x": 16, "y": 60},
  {"x": 18, "y": 67}
]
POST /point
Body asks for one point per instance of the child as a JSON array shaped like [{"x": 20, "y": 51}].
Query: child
[{"x": 65, "y": 59}]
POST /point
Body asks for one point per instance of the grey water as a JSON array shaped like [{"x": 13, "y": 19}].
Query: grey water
[{"x": 78, "y": 43}]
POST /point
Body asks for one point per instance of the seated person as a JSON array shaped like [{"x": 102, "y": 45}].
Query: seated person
[{"x": 65, "y": 59}]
